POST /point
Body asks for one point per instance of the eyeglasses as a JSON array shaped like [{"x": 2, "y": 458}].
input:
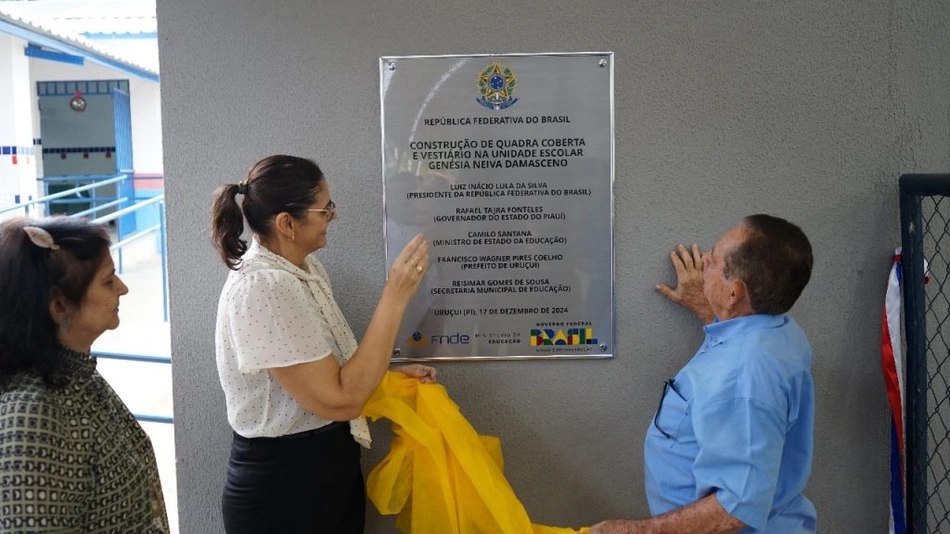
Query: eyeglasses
[
  {"x": 667, "y": 384},
  {"x": 329, "y": 212}
]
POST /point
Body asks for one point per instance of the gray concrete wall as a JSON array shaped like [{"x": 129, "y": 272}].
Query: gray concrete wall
[{"x": 808, "y": 110}]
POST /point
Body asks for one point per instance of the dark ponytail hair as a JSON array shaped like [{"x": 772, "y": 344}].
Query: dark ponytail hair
[
  {"x": 31, "y": 275},
  {"x": 274, "y": 185}
]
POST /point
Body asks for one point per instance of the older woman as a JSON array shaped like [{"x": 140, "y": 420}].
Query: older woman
[
  {"x": 293, "y": 375},
  {"x": 72, "y": 457}
]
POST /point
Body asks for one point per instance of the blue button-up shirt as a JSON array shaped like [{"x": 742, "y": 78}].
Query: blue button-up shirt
[{"x": 738, "y": 421}]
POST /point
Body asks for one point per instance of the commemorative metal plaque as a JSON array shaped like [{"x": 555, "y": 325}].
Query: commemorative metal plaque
[{"x": 505, "y": 163}]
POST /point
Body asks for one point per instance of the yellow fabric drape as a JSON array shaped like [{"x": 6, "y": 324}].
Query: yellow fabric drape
[{"x": 440, "y": 476}]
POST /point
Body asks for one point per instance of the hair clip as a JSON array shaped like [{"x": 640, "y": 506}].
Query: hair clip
[
  {"x": 242, "y": 187},
  {"x": 40, "y": 237}
]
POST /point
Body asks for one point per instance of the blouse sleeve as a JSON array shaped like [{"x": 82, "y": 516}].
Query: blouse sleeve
[
  {"x": 44, "y": 483},
  {"x": 274, "y": 322}
]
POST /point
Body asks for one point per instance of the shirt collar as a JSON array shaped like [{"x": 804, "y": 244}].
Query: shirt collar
[
  {"x": 72, "y": 364},
  {"x": 259, "y": 253},
  {"x": 719, "y": 331}
]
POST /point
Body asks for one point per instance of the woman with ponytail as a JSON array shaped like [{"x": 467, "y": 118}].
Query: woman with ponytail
[
  {"x": 294, "y": 377},
  {"x": 72, "y": 456}
]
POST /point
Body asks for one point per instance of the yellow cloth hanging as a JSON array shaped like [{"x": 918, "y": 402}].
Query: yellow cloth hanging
[{"x": 440, "y": 476}]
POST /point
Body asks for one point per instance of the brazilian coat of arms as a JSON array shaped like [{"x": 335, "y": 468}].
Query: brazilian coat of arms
[{"x": 497, "y": 85}]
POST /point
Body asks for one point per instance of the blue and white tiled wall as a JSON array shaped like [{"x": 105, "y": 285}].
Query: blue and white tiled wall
[
  {"x": 16, "y": 151},
  {"x": 17, "y": 175}
]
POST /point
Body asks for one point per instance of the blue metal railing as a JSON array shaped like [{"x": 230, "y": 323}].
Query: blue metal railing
[
  {"x": 70, "y": 195},
  {"x": 132, "y": 357},
  {"x": 148, "y": 418},
  {"x": 93, "y": 210}
]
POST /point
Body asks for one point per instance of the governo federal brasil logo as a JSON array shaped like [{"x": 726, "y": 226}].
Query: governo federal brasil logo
[
  {"x": 497, "y": 84},
  {"x": 572, "y": 336}
]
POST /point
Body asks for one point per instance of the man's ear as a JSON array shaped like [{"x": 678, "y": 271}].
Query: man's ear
[
  {"x": 739, "y": 295},
  {"x": 737, "y": 289}
]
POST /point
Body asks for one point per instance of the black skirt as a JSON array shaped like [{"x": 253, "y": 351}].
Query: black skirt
[{"x": 302, "y": 483}]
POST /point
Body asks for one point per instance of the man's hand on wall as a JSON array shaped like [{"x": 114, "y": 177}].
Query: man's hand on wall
[{"x": 689, "y": 283}]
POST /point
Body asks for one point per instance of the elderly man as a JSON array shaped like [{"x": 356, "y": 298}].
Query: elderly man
[{"x": 730, "y": 446}]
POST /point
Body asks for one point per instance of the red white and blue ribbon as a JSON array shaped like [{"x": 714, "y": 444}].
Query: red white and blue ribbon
[{"x": 892, "y": 363}]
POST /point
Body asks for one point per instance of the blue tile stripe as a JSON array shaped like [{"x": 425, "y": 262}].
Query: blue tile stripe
[
  {"x": 14, "y": 150},
  {"x": 86, "y": 87},
  {"x": 80, "y": 149}
]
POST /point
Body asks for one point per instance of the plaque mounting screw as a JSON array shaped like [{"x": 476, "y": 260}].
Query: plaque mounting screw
[
  {"x": 602, "y": 63},
  {"x": 396, "y": 352},
  {"x": 392, "y": 65},
  {"x": 603, "y": 346}
]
